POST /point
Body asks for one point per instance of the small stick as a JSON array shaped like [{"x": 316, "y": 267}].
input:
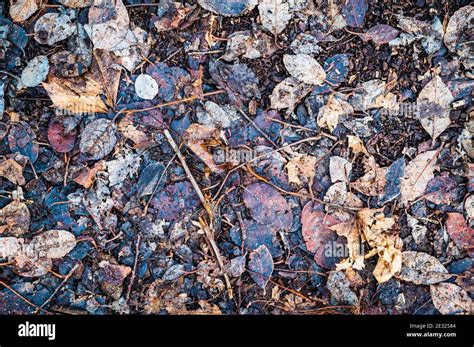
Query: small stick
[
  {"x": 137, "y": 251},
  {"x": 59, "y": 287},
  {"x": 23, "y": 298}
]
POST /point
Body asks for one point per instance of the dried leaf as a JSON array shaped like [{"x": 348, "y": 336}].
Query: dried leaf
[
  {"x": 21, "y": 10},
  {"x": 15, "y": 219},
  {"x": 354, "y": 12},
  {"x": 374, "y": 181},
  {"x": 21, "y": 139},
  {"x": 328, "y": 116},
  {"x": 417, "y": 175},
  {"x": 301, "y": 169},
  {"x": 98, "y": 139},
  {"x": 433, "y": 103},
  {"x": 356, "y": 144},
  {"x": 52, "y": 28},
  {"x": 122, "y": 167},
  {"x": 288, "y": 93},
  {"x": 75, "y": 95},
  {"x": 459, "y": 23},
  {"x": 338, "y": 195},
  {"x": 51, "y": 244},
  {"x": 77, "y": 3},
  {"x": 450, "y": 299},
  {"x": 339, "y": 169},
  {"x": 61, "y": 141},
  {"x": 422, "y": 268},
  {"x": 339, "y": 286},
  {"x": 35, "y": 72},
  {"x": 108, "y": 24},
  {"x": 274, "y": 14},
  {"x": 304, "y": 68},
  {"x": 380, "y": 34},
  {"x": 12, "y": 171},
  {"x": 198, "y": 137},
  {"x": 86, "y": 177},
  {"x": 236, "y": 267},
  {"x": 10, "y": 247},
  {"x": 249, "y": 45},
  {"x": 460, "y": 232},
  {"x": 261, "y": 266},
  {"x": 105, "y": 71},
  {"x": 171, "y": 15}
]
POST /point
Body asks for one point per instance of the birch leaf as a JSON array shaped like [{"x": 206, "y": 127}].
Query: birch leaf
[
  {"x": 52, "y": 28},
  {"x": 15, "y": 218},
  {"x": 328, "y": 116},
  {"x": 288, "y": 93},
  {"x": 12, "y": 171},
  {"x": 433, "y": 107}
]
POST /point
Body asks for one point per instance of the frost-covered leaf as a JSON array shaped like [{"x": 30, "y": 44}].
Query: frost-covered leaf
[
  {"x": 451, "y": 299},
  {"x": 21, "y": 10},
  {"x": 275, "y": 15},
  {"x": 288, "y": 93},
  {"x": 217, "y": 116},
  {"x": 260, "y": 266},
  {"x": 51, "y": 244},
  {"x": 146, "y": 87},
  {"x": 108, "y": 24},
  {"x": 228, "y": 8},
  {"x": 433, "y": 105},
  {"x": 354, "y": 12},
  {"x": 98, "y": 139},
  {"x": 304, "y": 68},
  {"x": 422, "y": 268},
  {"x": 52, "y": 28},
  {"x": 12, "y": 171},
  {"x": 328, "y": 116},
  {"x": 380, "y": 34},
  {"x": 417, "y": 175},
  {"x": 75, "y": 95}
]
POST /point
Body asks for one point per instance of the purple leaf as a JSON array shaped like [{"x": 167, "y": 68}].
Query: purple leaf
[
  {"x": 380, "y": 34},
  {"x": 354, "y": 12}
]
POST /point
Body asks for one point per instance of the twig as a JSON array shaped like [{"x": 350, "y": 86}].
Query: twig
[
  {"x": 23, "y": 298},
  {"x": 132, "y": 278},
  {"x": 60, "y": 285}
]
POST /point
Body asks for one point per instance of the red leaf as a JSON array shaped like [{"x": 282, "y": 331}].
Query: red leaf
[
  {"x": 460, "y": 232},
  {"x": 61, "y": 141}
]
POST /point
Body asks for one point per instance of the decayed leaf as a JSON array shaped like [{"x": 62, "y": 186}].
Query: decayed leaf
[
  {"x": 249, "y": 45},
  {"x": 171, "y": 15},
  {"x": 339, "y": 286},
  {"x": 449, "y": 298},
  {"x": 318, "y": 236},
  {"x": 77, "y": 3},
  {"x": 374, "y": 181},
  {"x": 288, "y": 93},
  {"x": 380, "y": 34},
  {"x": 21, "y": 10},
  {"x": 267, "y": 206},
  {"x": 458, "y": 23},
  {"x": 275, "y": 15},
  {"x": 12, "y": 171},
  {"x": 75, "y": 95},
  {"x": 108, "y": 24},
  {"x": 237, "y": 266},
  {"x": 52, "y": 28},
  {"x": 328, "y": 116},
  {"x": 356, "y": 144},
  {"x": 229, "y": 8},
  {"x": 51, "y": 244},
  {"x": 15, "y": 218},
  {"x": 218, "y": 116},
  {"x": 260, "y": 266},
  {"x": 301, "y": 169},
  {"x": 10, "y": 246},
  {"x": 61, "y": 141},
  {"x": 354, "y": 12},
  {"x": 98, "y": 139},
  {"x": 86, "y": 177},
  {"x": 422, "y": 268},
  {"x": 417, "y": 175},
  {"x": 146, "y": 87},
  {"x": 433, "y": 105},
  {"x": 122, "y": 167},
  {"x": 376, "y": 229},
  {"x": 304, "y": 68},
  {"x": 198, "y": 137},
  {"x": 338, "y": 195},
  {"x": 461, "y": 233},
  {"x": 339, "y": 169}
]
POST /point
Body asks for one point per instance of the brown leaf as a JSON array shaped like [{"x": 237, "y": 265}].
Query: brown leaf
[
  {"x": 461, "y": 233},
  {"x": 12, "y": 171},
  {"x": 15, "y": 218},
  {"x": 86, "y": 176},
  {"x": 21, "y": 10},
  {"x": 75, "y": 95},
  {"x": 301, "y": 169},
  {"x": 374, "y": 180},
  {"x": 450, "y": 299},
  {"x": 104, "y": 67},
  {"x": 422, "y": 268},
  {"x": 199, "y": 138}
]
